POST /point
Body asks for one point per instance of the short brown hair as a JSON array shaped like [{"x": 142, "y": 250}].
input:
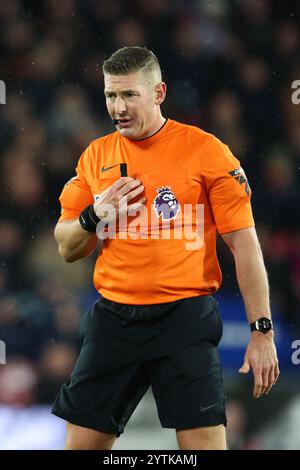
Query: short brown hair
[{"x": 131, "y": 59}]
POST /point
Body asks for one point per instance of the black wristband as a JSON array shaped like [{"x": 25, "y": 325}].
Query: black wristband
[{"x": 88, "y": 219}]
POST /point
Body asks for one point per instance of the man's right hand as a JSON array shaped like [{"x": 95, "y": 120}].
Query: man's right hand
[{"x": 115, "y": 200}]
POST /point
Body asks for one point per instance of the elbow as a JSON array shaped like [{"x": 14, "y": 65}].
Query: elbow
[
  {"x": 69, "y": 259},
  {"x": 65, "y": 249},
  {"x": 66, "y": 255}
]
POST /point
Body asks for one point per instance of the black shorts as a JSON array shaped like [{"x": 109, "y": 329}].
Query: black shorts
[{"x": 127, "y": 348}]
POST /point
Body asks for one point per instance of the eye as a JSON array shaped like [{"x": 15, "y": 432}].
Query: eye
[{"x": 166, "y": 197}]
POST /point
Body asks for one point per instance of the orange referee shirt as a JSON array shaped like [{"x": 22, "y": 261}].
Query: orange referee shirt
[{"x": 180, "y": 163}]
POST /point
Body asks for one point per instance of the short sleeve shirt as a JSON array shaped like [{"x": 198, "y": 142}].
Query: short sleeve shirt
[{"x": 194, "y": 187}]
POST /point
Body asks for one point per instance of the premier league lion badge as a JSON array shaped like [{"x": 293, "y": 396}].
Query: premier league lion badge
[{"x": 166, "y": 204}]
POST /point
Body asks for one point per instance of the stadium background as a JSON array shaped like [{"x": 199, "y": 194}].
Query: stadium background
[{"x": 229, "y": 66}]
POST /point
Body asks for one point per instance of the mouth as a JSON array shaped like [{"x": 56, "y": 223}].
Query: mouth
[{"x": 124, "y": 122}]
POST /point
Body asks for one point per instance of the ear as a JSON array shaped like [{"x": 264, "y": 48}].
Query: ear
[{"x": 160, "y": 93}]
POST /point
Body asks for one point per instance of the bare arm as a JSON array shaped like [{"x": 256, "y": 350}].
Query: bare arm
[
  {"x": 250, "y": 271},
  {"x": 253, "y": 283},
  {"x": 73, "y": 242}
]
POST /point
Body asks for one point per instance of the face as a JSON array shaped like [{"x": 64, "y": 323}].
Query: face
[{"x": 135, "y": 101}]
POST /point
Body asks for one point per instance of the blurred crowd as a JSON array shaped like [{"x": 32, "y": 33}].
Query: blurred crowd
[{"x": 229, "y": 66}]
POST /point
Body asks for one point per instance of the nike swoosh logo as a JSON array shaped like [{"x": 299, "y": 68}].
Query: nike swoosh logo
[
  {"x": 205, "y": 408},
  {"x": 109, "y": 167}
]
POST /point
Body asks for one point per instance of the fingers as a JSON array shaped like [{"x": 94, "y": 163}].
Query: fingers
[
  {"x": 271, "y": 380},
  {"x": 133, "y": 193},
  {"x": 258, "y": 382},
  {"x": 121, "y": 182},
  {"x": 128, "y": 187},
  {"x": 265, "y": 382},
  {"x": 261, "y": 357},
  {"x": 122, "y": 191},
  {"x": 264, "y": 379},
  {"x": 245, "y": 368},
  {"x": 277, "y": 372}
]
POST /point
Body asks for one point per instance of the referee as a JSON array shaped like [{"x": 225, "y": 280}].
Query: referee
[{"x": 156, "y": 322}]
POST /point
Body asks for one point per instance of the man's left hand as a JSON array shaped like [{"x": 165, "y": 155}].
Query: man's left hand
[{"x": 261, "y": 357}]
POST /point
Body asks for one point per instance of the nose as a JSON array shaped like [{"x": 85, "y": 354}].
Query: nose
[{"x": 120, "y": 106}]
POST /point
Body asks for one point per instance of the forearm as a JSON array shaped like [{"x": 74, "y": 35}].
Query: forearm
[
  {"x": 73, "y": 242},
  {"x": 252, "y": 280}
]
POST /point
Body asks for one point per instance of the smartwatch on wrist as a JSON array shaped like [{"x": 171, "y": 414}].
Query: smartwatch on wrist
[{"x": 263, "y": 325}]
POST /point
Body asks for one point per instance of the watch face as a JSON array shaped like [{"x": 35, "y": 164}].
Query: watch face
[{"x": 264, "y": 324}]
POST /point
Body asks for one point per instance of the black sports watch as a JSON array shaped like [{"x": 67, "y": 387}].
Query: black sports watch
[
  {"x": 88, "y": 219},
  {"x": 263, "y": 325}
]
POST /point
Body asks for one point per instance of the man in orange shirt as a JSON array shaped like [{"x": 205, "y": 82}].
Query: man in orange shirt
[{"x": 156, "y": 192}]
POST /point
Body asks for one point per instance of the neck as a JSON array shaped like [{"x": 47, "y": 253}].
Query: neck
[{"x": 157, "y": 124}]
